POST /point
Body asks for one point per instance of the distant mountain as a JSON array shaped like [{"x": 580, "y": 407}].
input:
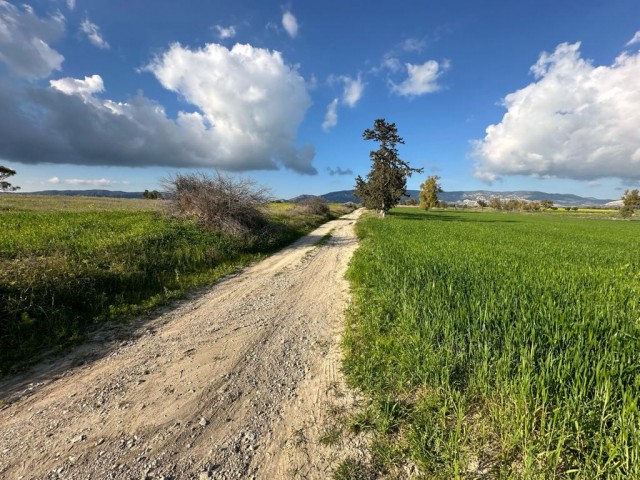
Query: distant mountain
[
  {"x": 88, "y": 193},
  {"x": 561, "y": 199},
  {"x": 469, "y": 196}
]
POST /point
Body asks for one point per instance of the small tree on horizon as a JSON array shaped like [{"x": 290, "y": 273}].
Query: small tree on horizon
[
  {"x": 386, "y": 183},
  {"x": 496, "y": 203},
  {"x": 630, "y": 202},
  {"x": 429, "y": 192},
  {"x": 5, "y": 173},
  {"x": 152, "y": 195}
]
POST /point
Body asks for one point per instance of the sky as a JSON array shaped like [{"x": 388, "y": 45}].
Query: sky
[{"x": 492, "y": 95}]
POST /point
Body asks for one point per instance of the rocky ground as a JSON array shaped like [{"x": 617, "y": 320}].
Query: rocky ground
[{"x": 241, "y": 381}]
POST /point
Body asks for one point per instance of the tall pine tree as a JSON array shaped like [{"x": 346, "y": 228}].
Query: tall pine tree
[{"x": 386, "y": 183}]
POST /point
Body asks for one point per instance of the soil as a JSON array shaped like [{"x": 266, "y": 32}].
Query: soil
[{"x": 240, "y": 381}]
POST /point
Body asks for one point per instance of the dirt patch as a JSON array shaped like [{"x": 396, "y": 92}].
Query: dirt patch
[{"x": 237, "y": 383}]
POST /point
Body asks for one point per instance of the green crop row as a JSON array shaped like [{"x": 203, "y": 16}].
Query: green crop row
[{"x": 498, "y": 345}]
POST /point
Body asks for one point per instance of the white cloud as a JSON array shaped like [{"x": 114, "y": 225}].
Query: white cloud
[
  {"x": 352, "y": 90},
  {"x": 331, "y": 117},
  {"x": 290, "y": 24},
  {"x": 391, "y": 63},
  {"x": 92, "y": 31},
  {"x": 247, "y": 104},
  {"x": 634, "y": 40},
  {"x": 421, "y": 79},
  {"x": 83, "y": 88},
  {"x": 71, "y": 4},
  {"x": 413, "y": 45},
  {"x": 92, "y": 182},
  {"x": 25, "y": 41},
  {"x": 575, "y": 121},
  {"x": 54, "y": 180},
  {"x": 225, "y": 32},
  {"x": 252, "y": 100}
]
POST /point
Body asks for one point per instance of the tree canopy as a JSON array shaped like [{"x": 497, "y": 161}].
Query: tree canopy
[
  {"x": 429, "y": 192},
  {"x": 386, "y": 183},
  {"x": 630, "y": 202},
  {"x": 5, "y": 173}
]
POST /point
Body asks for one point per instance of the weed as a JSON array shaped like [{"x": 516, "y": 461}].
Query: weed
[
  {"x": 331, "y": 437},
  {"x": 351, "y": 469}
]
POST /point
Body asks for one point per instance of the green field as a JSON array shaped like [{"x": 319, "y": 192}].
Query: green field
[
  {"x": 68, "y": 263},
  {"x": 496, "y": 345}
]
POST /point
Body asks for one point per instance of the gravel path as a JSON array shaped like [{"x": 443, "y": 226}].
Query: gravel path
[{"x": 239, "y": 382}]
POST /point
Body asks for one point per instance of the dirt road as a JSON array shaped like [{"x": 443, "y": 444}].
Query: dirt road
[{"x": 236, "y": 383}]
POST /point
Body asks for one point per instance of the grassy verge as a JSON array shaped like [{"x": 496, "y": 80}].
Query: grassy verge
[
  {"x": 93, "y": 260},
  {"x": 498, "y": 345}
]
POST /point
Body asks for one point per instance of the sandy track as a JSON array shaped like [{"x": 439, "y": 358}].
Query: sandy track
[{"x": 232, "y": 384}]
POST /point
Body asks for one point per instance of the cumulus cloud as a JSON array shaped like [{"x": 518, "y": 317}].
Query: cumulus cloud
[
  {"x": 225, "y": 32},
  {"x": 421, "y": 79},
  {"x": 54, "y": 180},
  {"x": 634, "y": 40},
  {"x": 252, "y": 100},
  {"x": 92, "y": 31},
  {"x": 25, "y": 41},
  {"x": 71, "y": 4},
  {"x": 576, "y": 120},
  {"x": 83, "y": 88},
  {"x": 290, "y": 24},
  {"x": 352, "y": 92},
  {"x": 339, "y": 171},
  {"x": 246, "y": 107},
  {"x": 331, "y": 117}
]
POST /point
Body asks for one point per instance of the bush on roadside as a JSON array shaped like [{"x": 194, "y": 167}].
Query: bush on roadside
[
  {"x": 218, "y": 202},
  {"x": 313, "y": 206}
]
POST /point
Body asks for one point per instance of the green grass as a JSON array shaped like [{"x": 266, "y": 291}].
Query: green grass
[
  {"x": 62, "y": 271},
  {"x": 498, "y": 345}
]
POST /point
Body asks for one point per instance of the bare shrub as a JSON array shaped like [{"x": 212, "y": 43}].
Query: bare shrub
[
  {"x": 221, "y": 202},
  {"x": 313, "y": 206}
]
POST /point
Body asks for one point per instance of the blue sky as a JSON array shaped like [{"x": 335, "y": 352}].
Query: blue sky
[{"x": 501, "y": 95}]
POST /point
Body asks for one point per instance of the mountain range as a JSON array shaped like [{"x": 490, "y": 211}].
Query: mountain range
[
  {"x": 460, "y": 197},
  {"x": 471, "y": 196}
]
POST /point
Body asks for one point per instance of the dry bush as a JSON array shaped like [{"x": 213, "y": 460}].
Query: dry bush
[
  {"x": 220, "y": 202},
  {"x": 313, "y": 206}
]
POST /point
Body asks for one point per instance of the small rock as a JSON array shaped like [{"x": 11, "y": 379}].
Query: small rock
[
  {"x": 78, "y": 438},
  {"x": 204, "y": 476},
  {"x": 203, "y": 422}
]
